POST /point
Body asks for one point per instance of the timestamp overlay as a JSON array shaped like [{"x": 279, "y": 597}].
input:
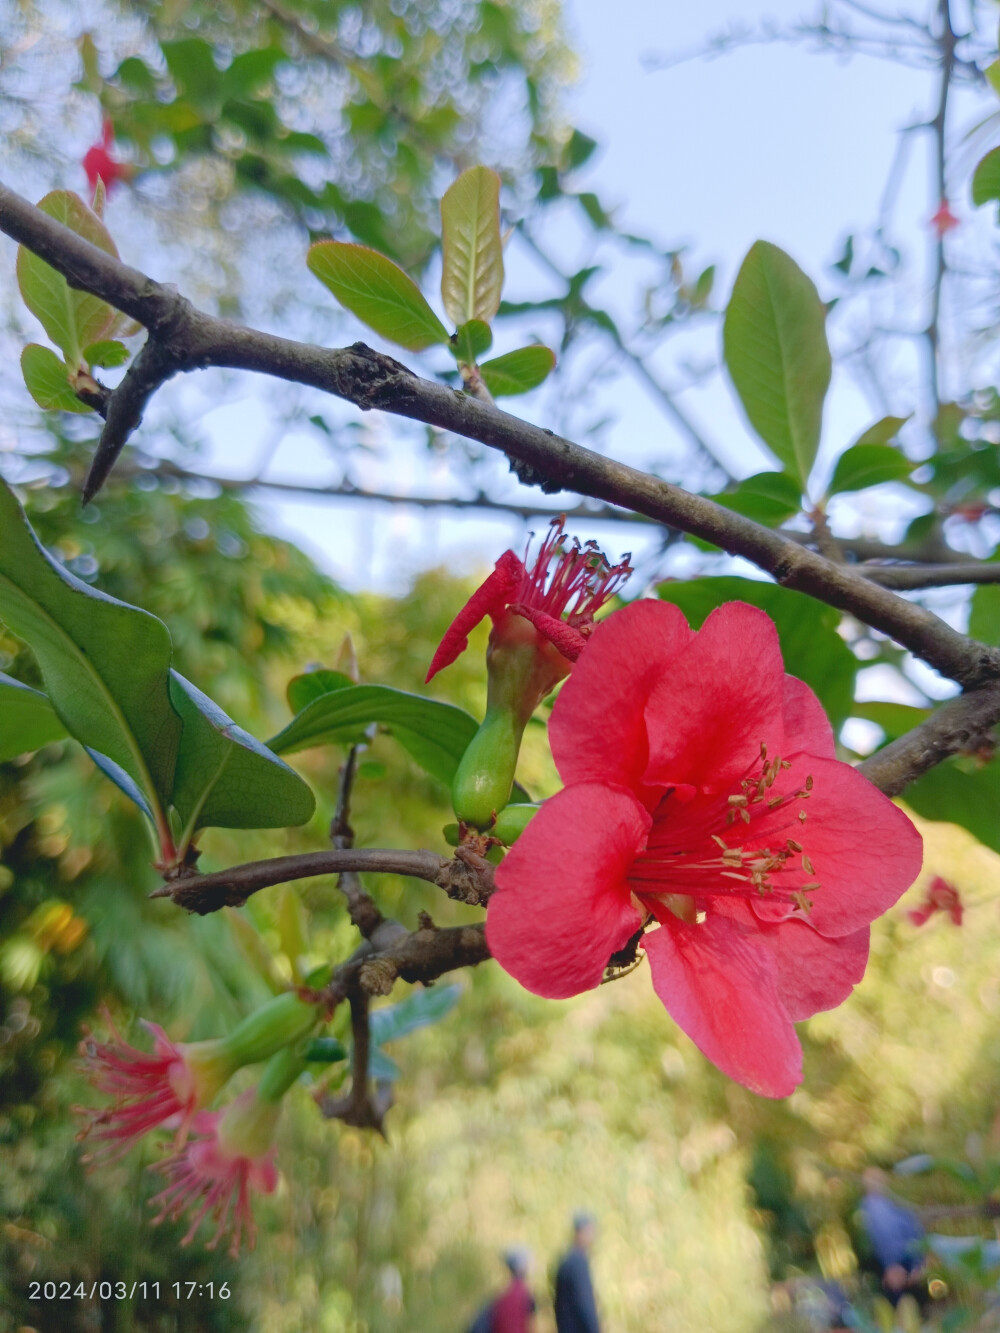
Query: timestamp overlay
[{"x": 132, "y": 1290}]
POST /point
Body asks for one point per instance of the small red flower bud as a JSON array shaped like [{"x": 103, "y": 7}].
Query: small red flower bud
[
  {"x": 100, "y": 165},
  {"x": 940, "y": 897}
]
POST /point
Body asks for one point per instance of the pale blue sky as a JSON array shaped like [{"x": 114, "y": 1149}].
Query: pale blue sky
[{"x": 773, "y": 141}]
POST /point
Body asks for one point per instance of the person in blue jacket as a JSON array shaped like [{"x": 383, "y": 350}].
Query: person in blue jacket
[
  {"x": 895, "y": 1235},
  {"x": 576, "y": 1309}
]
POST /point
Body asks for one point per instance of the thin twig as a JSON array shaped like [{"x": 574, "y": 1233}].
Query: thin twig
[
  {"x": 911, "y": 578},
  {"x": 461, "y": 879}
]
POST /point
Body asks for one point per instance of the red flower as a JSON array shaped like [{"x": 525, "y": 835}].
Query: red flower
[
  {"x": 100, "y": 165},
  {"x": 566, "y": 580},
  {"x": 163, "y": 1088},
  {"x": 944, "y": 220},
  {"x": 703, "y": 796},
  {"x": 940, "y": 897},
  {"x": 214, "y": 1174}
]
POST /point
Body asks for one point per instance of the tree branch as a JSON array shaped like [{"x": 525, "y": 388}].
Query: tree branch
[
  {"x": 957, "y": 725},
  {"x": 462, "y": 879},
  {"x": 910, "y": 578},
  {"x": 371, "y": 380}
]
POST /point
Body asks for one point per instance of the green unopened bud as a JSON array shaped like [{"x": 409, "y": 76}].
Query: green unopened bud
[
  {"x": 512, "y": 821},
  {"x": 485, "y": 775}
]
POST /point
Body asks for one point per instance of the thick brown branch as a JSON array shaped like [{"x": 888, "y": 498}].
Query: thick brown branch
[
  {"x": 371, "y": 380},
  {"x": 462, "y": 880},
  {"x": 955, "y": 726}
]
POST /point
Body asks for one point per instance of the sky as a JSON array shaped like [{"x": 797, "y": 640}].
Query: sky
[{"x": 775, "y": 141}]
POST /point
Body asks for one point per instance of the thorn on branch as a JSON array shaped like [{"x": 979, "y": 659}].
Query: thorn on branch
[{"x": 156, "y": 362}]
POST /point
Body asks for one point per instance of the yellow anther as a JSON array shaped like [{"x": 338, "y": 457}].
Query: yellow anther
[
  {"x": 737, "y": 800},
  {"x": 794, "y": 846},
  {"x": 808, "y": 866}
]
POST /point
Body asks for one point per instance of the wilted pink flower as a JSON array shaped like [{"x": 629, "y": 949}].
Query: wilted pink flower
[
  {"x": 215, "y": 1172},
  {"x": 940, "y": 897},
  {"x": 162, "y": 1088}
]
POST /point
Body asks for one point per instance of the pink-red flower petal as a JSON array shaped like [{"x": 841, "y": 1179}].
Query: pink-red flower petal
[
  {"x": 562, "y": 906},
  {"x": 719, "y": 983},
  {"x": 721, "y": 699},
  {"x": 597, "y": 730},
  {"x": 807, "y": 727},
  {"x": 489, "y": 599},
  {"x": 564, "y": 637},
  {"x": 865, "y": 852}
]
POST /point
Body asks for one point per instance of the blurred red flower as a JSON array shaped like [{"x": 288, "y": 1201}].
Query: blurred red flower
[
  {"x": 702, "y": 796},
  {"x": 940, "y": 897},
  {"x": 100, "y": 165},
  {"x": 944, "y": 220}
]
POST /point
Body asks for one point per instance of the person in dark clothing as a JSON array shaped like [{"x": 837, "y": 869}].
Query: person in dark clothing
[
  {"x": 895, "y": 1234},
  {"x": 576, "y": 1309}
]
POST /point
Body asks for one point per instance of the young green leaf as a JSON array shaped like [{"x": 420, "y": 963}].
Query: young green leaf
[
  {"x": 766, "y": 497},
  {"x": 303, "y": 689},
  {"x": 986, "y": 179},
  {"x": 47, "y": 380},
  {"x": 435, "y": 734},
  {"x": 807, "y": 629},
  {"x": 517, "y": 372},
  {"x": 73, "y": 319},
  {"x": 865, "y": 465},
  {"x": 225, "y": 778},
  {"x": 774, "y": 341},
  {"x": 108, "y": 354},
  {"x": 104, "y": 663},
  {"x": 884, "y": 431},
  {"x": 472, "y": 252},
  {"x": 378, "y": 292},
  {"x": 27, "y": 719},
  {"x": 470, "y": 341}
]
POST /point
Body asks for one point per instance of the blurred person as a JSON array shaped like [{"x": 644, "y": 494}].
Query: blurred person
[
  {"x": 513, "y": 1311},
  {"x": 895, "y": 1234},
  {"x": 576, "y": 1309}
]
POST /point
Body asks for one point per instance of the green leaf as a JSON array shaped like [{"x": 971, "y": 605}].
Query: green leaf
[
  {"x": 517, "y": 372},
  {"x": 470, "y": 341},
  {"x": 418, "y": 1010},
  {"x": 47, "y": 379},
  {"x": 381, "y": 1068},
  {"x": 774, "y": 340},
  {"x": 884, "y": 431},
  {"x": 302, "y": 690},
  {"x": 27, "y": 719},
  {"x": 435, "y": 734},
  {"x": 378, "y": 292},
  {"x": 71, "y": 318},
  {"x": 986, "y": 179},
  {"x": 766, "y": 497},
  {"x": 193, "y": 70},
  {"x": 472, "y": 252},
  {"x": 225, "y": 778},
  {"x": 108, "y": 354},
  {"x": 894, "y": 719},
  {"x": 962, "y": 792},
  {"x": 865, "y": 465},
  {"x": 810, "y": 644},
  {"x": 104, "y": 663},
  {"x": 984, "y": 617}
]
